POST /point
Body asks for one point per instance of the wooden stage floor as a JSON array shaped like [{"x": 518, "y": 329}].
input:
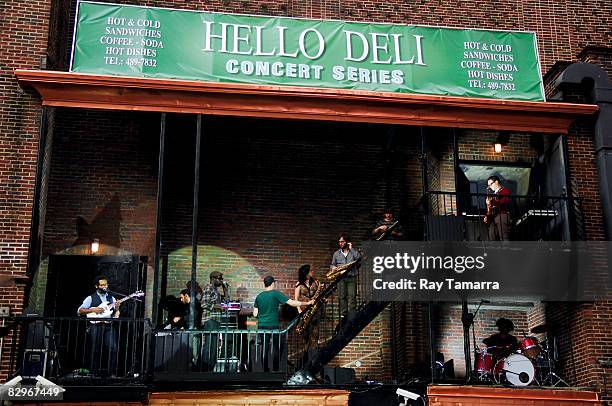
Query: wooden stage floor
[{"x": 451, "y": 395}]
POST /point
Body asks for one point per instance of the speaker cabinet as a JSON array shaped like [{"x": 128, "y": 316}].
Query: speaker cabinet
[
  {"x": 34, "y": 363},
  {"x": 339, "y": 376}
]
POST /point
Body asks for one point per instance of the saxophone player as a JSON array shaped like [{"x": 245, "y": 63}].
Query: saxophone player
[
  {"x": 307, "y": 286},
  {"x": 348, "y": 286}
]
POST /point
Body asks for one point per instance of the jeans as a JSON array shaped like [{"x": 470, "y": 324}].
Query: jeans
[
  {"x": 208, "y": 353},
  {"x": 347, "y": 291},
  {"x": 103, "y": 348},
  {"x": 498, "y": 229}
]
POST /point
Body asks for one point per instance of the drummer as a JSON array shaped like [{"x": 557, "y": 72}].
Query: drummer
[{"x": 503, "y": 343}]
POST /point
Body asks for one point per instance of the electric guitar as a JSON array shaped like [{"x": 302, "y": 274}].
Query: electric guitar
[
  {"x": 489, "y": 214},
  {"x": 109, "y": 308}
]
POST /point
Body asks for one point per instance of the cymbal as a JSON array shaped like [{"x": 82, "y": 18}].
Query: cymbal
[{"x": 542, "y": 328}]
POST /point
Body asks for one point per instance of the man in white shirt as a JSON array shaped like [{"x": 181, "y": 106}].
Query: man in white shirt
[{"x": 103, "y": 339}]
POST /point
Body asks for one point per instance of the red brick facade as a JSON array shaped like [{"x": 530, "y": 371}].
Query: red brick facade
[
  {"x": 24, "y": 31},
  {"x": 274, "y": 194}
]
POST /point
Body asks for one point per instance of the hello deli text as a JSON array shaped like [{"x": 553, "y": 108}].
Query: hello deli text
[{"x": 392, "y": 50}]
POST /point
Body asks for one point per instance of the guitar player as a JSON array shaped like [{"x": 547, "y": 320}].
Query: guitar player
[
  {"x": 498, "y": 216},
  {"x": 102, "y": 334}
]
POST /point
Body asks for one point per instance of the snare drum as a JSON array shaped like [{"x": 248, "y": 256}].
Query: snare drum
[{"x": 530, "y": 347}]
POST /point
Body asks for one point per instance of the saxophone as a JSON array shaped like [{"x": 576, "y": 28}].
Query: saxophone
[
  {"x": 308, "y": 314},
  {"x": 335, "y": 273}
]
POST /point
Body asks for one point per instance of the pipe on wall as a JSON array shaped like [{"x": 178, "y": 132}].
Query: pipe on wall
[{"x": 596, "y": 80}]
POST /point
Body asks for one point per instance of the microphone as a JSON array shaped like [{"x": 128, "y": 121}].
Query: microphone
[{"x": 484, "y": 301}]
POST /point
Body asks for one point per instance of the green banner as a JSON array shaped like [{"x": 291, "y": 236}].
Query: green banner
[{"x": 178, "y": 44}]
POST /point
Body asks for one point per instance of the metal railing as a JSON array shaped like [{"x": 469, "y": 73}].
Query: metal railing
[
  {"x": 72, "y": 350},
  {"x": 81, "y": 351},
  {"x": 523, "y": 218},
  {"x": 232, "y": 354},
  {"x": 221, "y": 354}
]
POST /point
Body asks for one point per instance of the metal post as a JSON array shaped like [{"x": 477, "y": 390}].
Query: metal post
[
  {"x": 424, "y": 176},
  {"x": 394, "y": 340},
  {"x": 35, "y": 242},
  {"x": 194, "y": 224},
  {"x": 389, "y": 165},
  {"x": 160, "y": 187},
  {"x": 425, "y": 180},
  {"x": 456, "y": 167},
  {"x": 569, "y": 201},
  {"x": 466, "y": 320},
  {"x": 432, "y": 344}
]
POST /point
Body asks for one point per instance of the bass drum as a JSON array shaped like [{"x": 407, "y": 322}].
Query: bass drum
[{"x": 516, "y": 369}]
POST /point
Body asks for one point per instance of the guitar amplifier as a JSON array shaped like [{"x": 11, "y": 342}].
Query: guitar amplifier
[{"x": 34, "y": 363}]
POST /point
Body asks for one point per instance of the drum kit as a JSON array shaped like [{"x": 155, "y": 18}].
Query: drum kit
[{"x": 532, "y": 362}]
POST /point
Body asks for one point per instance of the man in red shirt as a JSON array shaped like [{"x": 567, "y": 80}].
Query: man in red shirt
[{"x": 498, "y": 216}]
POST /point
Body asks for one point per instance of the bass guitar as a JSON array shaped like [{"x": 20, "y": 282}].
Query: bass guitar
[
  {"x": 388, "y": 231},
  {"x": 109, "y": 308}
]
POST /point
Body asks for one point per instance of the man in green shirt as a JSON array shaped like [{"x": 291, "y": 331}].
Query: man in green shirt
[{"x": 265, "y": 309}]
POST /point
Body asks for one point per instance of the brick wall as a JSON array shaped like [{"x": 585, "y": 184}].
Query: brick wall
[
  {"x": 580, "y": 327},
  {"x": 273, "y": 196},
  {"x": 23, "y": 29},
  {"x": 477, "y": 145},
  {"x": 103, "y": 181},
  {"x": 19, "y": 121}
]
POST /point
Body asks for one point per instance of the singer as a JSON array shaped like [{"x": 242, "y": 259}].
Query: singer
[{"x": 215, "y": 293}]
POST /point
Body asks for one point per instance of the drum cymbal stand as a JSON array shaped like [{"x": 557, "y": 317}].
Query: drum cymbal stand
[{"x": 552, "y": 378}]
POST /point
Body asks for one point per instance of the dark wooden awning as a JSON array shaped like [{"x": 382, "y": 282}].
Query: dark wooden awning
[{"x": 66, "y": 89}]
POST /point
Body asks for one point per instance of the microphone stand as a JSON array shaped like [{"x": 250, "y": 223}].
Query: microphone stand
[
  {"x": 115, "y": 293},
  {"x": 467, "y": 319}
]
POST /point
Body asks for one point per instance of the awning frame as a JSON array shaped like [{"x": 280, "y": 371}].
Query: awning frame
[{"x": 78, "y": 90}]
